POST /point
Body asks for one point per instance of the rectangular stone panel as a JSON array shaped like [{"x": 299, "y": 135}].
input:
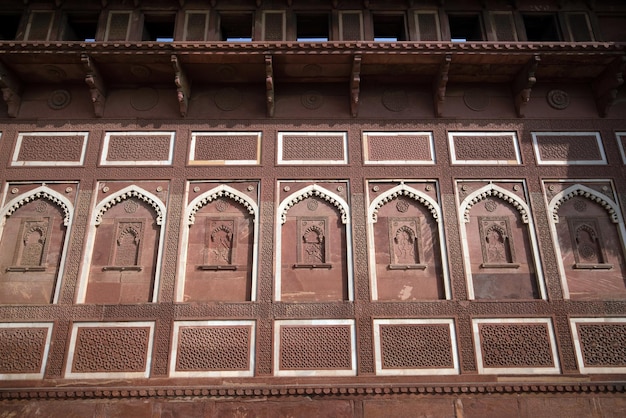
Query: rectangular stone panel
[
  {"x": 312, "y": 148},
  {"x": 323, "y": 347},
  {"x": 515, "y": 346},
  {"x": 397, "y": 148},
  {"x": 600, "y": 344},
  {"x": 568, "y": 148},
  {"x": 225, "y": 148},
  {"x": 100, "y": 350},
  {"x": 50, "y": 149},
  {"x": 415, "y": 347},
  {"x": 484, "y": 148},
  {"x": 213, "y": 349},
  {"x": 24, "y": 350},
  {"x": 137, "y": 148},
  {"x": 621, "y": 143}
]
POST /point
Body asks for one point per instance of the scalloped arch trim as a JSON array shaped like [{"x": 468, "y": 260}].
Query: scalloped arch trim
[
  {"x": 588, "y": 193},
  {"x": 492, "y": 190},
  {"x": 126, "y": 193},
  {"x": 314, "y": 190},
  {"x": 404, "y": 190},
  {"x": 41, "y": 192},
  {"x": 221, "y": 191}
]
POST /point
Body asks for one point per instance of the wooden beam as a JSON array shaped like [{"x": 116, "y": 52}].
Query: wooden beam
[
  {"x": 523, "y": 84},
  {"x": 355, "y": 86},
  {"x": 96, "y": 85},
  {"x": 605, "y": 87},
  {"x": 183, "y": 86},
  {"x": 11, "y": 90},
  {"x": 440, "y": 84},
  {"x": 269, "y": 85}
]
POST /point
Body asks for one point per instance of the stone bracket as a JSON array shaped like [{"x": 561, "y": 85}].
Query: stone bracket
[
  {"x": 183, "y": 86},
  {"x": 269, "y": 85},
  {"x": 606, "y": 85},
  {"x": 11, "y": 90},
  {"x": 440, "y": 84},
  {"x": 96, "y": 85},
  {"x": 355, "y": 86},
  {"x": 523, "y": 84}
]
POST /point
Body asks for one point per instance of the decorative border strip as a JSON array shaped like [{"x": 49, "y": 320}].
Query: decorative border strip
[
  {"x": 556, "y": 369},
  {"x": 279, "y": 152},
  {"x": 578, "y": 348},
  {"x": 223, "y": 373},
  {"x": 413, "y": 372},
  {"x": 192, "y": 149},
  {"x": 18, "y": 146},
  {"x": 44, "y": 359},
  {"x": 455, "y": 160},
  {"x": 107, "y": 139},
  {"x": 601, "y": 161},
  {"x": 431, "y": 146}
]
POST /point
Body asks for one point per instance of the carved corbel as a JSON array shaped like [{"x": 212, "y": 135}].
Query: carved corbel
[
  {"x": 523, "y": 84},
  {"x": 96, "y": 85},
  {"x": 11, "y": 90},
  {"x": 355, "y": 86},
  {"x": 183, "y": 87},
  {"x": 440, "y": 84},
  {"x": 269, "y": 85},
  {"x": 606, "y": 85}
]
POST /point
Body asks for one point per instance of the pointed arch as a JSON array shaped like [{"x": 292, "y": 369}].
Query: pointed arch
[
  {"x": 492, "y": 190},
  {"x": 314, "y": 190},
  {"x": 222, "y": 190},
  {"x": 40, "y": 192},
  {"x": 404, "y": 190},
  {"x": 588, "y": 193},
  {"x": 126, "y": 193}
]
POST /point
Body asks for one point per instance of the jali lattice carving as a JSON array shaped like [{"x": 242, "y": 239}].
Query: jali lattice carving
[
  {"x": 416, "y": 346},
  {"x": 111, "y": 349},
  {"x": 515, "y": 345},
  {"x": 318, "y": 347},
  {"x": 313, "y": 147},
  {"x": 603, "y": 345},
  {"x": 213, "y": 348},
  {"x": 22, "y": 349}
]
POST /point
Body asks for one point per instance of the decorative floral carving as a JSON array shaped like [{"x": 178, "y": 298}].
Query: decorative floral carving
[
  {"x": 127, "y": 193},
  {"x": 494, "y": 191},
  {"x": 59, "y": 99},
  {"x": 403, "y": 190},
  {"x": 558, "y": 99},
  {"x": 315, "y": 190},
  {"x": 312, "y": 100},
  {"x": 39, "y": 193},
  {"x": 586, "y": 192},
  {"x": 218, "y": 193}
]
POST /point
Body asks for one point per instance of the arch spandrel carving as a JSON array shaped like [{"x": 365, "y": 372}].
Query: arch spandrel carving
[
  {"x": 38, "y": 193},
  {"x": 220, "y": 191},
  {"x": 126, "y": 193},
  {"x": 587, "y": 193},
  {"x": 493, "y": 190},
  {"x": 408, "y": 191},
  {"x": 317, "y": 191}
]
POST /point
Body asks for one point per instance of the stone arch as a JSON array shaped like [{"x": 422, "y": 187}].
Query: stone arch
[
  {"x": 40, "y": 192},
  {"x": 314, "y": 190},
  {"x": 126, "y": 193},
  {"x": 222, "y": 190},
  {"x": 404, "y": 190},
  {"x": 492, "y": 190},
  {"x": 580, "y": 190}
]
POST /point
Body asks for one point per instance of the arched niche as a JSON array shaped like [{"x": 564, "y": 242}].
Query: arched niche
[
  {"x": 588, "y": 232},
  {"x": 500, "y": 247},
  {"x": 407, "y": 256},
  {"x": 124, "y": 245},
  {"x": 218, "y": 251},
  {"x": 313, "y": 256},
  {"x": 33, "y": 244}
]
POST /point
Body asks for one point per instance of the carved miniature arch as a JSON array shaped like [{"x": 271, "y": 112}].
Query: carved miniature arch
[
  {"x": 220, "y": 191},
  {"x": 404, "y": 190},
  {"x": 588, "y": 193},
  {"x": 492, "y": 190},
  {"x": 318, "y": 191},
  {"x": 126, "y": 193},
  {"x": 39, "y": 192}
]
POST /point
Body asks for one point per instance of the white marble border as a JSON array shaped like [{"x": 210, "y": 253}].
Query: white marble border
[
  {"x": 415, "y": 372},
  {"x": 221, "y": 373},
  {"x": 18, "y": 146},
  {"x": 367, "y": 161},
  {"x": 313, "y": 322},
  {"x": 44, "y": 358},
  {"x": 578, "y": 348},
  {"x": 279, "y": 151},
  {"x": 601, "y": 161},
  {"x": 621, "y": 136},
  {"x": 107, "y": 139},
  {"x": 192, "y": 149},
  {"x": 555, "y": 369},
  {"x": 455, "y": 160},
  {"x": 109, "y": 375}
]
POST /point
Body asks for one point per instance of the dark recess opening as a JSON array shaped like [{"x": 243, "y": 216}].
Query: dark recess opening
[
  {"x": 236, "y": 27},
  {"x": 540, "y": 28},
  {"x": 81, "y": 27},
  {"x": 158, "y": 27},
  {"x": 389, "y": 28},
  {"x": 312, "y": 27},
  {"x": 9, "y": 23},
  {"x": 465, "y": 28}
]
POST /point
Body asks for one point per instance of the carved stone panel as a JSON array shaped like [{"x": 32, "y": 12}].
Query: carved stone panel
[
  {"x": 50, "y": 149},
  {"x": 600, "y": 344},
  {"x": 24, "y": 348}
]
